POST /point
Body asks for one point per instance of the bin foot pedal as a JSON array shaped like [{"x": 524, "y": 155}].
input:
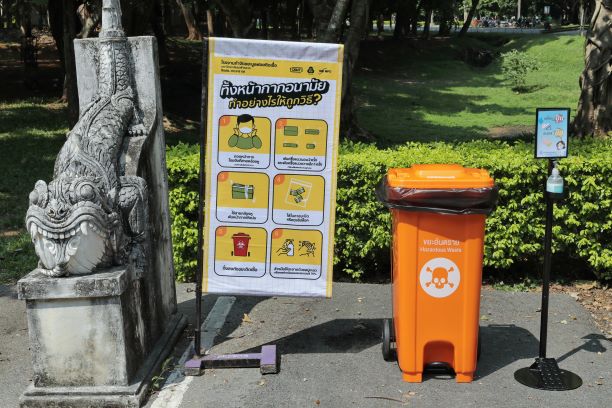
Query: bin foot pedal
[
  {"x": 464, "y": 378},
  {"x": 413, "y": 378},
  {"x": 267, "y": 361},
  {"x": 545, "y": 374}
]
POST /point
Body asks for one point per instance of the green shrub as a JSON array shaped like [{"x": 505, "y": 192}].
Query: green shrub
[
  {"x": 583, "y": 226},
  {"x": 515, "y": 67},
  {"x": 183, "y": 163}
]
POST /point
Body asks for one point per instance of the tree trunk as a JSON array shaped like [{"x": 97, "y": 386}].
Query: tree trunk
[
  {"x": 307, "y": 21},
  {"x": 190, "y": 21},
  {"x": 359, "y": 19},
  {"x": 321, "y": 11},
  {"x": 89, "y": 20},
  {"x": 158, "y": 24},
  {"x": 414, "y": 18},
  {"x": 594, "y": 114},
  {"x": 70, "y": 81},
  {"x": 332, "y": 32},
  {"x": 265, "y": 22},
  {"x": 468, "y": 19},
  {"x": 402, "y": 21},
  {"x": 291, "y": 14},
  {"x": 428, "y": 14},
  {"x": 446, "y": 18},
  {"x": 275, "y": 20},
  {"x": 56, "y": 25},
  {"x": 168, "y": 11},
  {"x": 136, "y": 17},
  {"x": 220, "y": 23},
  {"x": 240, "y": 17},
  {"x": 10, "y": 14},
  {"x": 24, "y": 18},
  {"x": 210, "y": 23}
]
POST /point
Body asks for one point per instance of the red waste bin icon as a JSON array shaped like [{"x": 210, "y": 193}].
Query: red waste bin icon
[{"x": 241, "y": 244}]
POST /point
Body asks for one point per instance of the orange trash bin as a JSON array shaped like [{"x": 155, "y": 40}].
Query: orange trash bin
[{"x": 438, "y": 220}]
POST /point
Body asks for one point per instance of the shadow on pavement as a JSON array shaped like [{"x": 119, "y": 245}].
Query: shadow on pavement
[
  {"x": 502, "y": 345},
  {"x": 244, "y": 304},
  {"x": 334, "y": 336},
  {"x": 593, "y": 344},
  {"x": 8, "y": 291}
]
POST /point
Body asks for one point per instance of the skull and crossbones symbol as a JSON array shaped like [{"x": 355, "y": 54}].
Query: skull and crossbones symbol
[{"x": 439, "y": 277}]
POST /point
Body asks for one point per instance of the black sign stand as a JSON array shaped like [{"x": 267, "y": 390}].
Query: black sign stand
[
  {"x": 544, "y": 373},
  {"x": 267, "y": 359}
]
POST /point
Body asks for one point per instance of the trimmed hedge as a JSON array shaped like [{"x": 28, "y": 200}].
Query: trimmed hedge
[
  {"x": 183, "y": 163},
  {"x": 583, "y": 225}
]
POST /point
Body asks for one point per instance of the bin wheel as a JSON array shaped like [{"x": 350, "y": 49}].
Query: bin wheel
[{"x": 388, "y": 337}]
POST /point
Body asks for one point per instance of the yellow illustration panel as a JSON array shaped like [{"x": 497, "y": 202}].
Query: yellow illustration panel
[
  {"x": 300, "y": 144},
  {"x": 240, "y": 244},
  {"x": 297, "y": 192},
  {"x": 306, "y": 137},
  {"x": 298, "y": 199},
  {"x": 242, "y": 197},
  {"x": 298, "y": 247},
  {"x": 244, "y": 141}
]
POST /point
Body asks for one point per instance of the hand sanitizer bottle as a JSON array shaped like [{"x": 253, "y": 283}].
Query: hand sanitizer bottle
[{"x": 554, "y": 184}]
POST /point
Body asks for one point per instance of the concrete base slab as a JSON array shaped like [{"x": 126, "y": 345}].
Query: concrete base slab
[{"x": 130, "y": 396}]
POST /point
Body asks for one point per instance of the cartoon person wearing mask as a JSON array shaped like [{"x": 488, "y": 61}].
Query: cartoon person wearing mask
[
  {"x": 245, "y": 134},
  {"x": 560, "y": 145}
]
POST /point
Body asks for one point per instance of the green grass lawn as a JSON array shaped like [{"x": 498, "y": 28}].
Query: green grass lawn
[
  {"x": 31, "y": 134},
  {"x": 411, "y": 91}
]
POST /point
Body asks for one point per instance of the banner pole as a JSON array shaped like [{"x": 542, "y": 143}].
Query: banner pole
[
  {"x": 547, "y": 264},
  {"x": 197, "y": 341}
]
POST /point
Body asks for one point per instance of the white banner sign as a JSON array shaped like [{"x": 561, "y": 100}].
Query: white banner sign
[{"x": 271, "y": 153}]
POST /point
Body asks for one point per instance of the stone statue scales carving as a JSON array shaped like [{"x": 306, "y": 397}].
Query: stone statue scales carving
[{"x": 92, "y": 214}]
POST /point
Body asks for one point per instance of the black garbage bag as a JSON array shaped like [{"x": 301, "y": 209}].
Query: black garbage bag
[{"x": 443, "y": 201}]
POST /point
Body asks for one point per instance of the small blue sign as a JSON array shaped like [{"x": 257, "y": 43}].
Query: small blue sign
[{"x": 552, "y": 126}]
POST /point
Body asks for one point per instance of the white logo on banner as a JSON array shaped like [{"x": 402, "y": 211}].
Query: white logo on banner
[{"x": 440, "y": 277}]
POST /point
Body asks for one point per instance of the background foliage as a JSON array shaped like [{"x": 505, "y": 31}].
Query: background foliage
[
  {"x": 514, "y": 232},
  {"x": 515, "y": 67}
]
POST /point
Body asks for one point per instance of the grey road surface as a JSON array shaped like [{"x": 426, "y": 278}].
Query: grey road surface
[{"x": 331, "y": 354}]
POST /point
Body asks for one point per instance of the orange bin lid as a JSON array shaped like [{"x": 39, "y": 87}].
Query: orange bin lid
[{"x": 439, "y": 176}]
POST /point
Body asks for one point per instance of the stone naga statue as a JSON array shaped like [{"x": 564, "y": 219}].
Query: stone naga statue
[{"x": 92, "y": 215}]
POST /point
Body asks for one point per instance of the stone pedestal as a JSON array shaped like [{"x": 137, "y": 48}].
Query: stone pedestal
[{"x": 91, "y": 339}]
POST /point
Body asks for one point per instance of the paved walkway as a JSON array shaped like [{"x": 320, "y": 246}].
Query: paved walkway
[{"x": 331, "y": 354}]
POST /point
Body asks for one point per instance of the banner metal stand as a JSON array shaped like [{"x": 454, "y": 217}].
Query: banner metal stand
[{"x": 266, "y": 360}]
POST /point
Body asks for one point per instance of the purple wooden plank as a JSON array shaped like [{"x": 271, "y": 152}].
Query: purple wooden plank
[
  {"x": 268, "y": 363},
  {"x": 232, "y": 360},
  {"x": 217, "y": 357},
  {"x": 193, "y": 363},
  {"x": 193, "y": 366}
]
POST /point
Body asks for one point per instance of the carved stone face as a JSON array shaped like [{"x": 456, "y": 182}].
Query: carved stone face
[{"x": 71, "y": 225}]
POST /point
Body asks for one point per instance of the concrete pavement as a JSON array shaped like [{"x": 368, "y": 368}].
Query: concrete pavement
[
  {"x": 15, "y": 358},
  {"x": 330, "y": 354}
]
